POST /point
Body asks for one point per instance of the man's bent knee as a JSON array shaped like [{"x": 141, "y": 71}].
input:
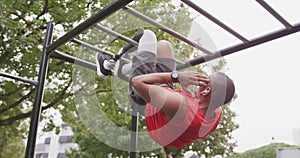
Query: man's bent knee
[{"x": 164, "y": 49}]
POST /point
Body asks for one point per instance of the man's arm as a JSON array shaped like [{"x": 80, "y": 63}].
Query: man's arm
[
  {"x": 144, "y": 83},
  {"x": 159, "y": 97}
]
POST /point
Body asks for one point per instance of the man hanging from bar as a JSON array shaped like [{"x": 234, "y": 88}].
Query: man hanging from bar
[{"x": 174, "y": 118}]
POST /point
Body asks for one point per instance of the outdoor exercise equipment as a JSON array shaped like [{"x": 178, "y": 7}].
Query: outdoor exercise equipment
[{"x": 49, "y": 51}]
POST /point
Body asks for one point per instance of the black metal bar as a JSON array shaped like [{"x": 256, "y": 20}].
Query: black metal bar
[
  {"x": 165, "y": 29},
  {"x": 275, "y": 14},
  {"x": 74, "y": 60},
  {"x": 102, "y": 14},
  {"x": 71, "y": 59},
  {"x": 239, "y": 47},
  {"x": 18, "y": 78},
  {"x": 134, "y": 132},
  {"x": 215, "y": 20},
  {"x": 68, "y": 58},
  {"x": 116, "y": 34},
  {"x": 39, "y": 94},
  {"x": 89, "y": 46}
]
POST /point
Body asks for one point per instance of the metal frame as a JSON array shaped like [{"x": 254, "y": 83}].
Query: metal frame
[
  {"x": 18, "y": 78},
  {"x": 246, "y": 44},
  {"x": 239, "y": 47},
  {"x": 102, "y": 14},
  {"x": 49, "y": 50},
  {"x": 35, "y": 116}
]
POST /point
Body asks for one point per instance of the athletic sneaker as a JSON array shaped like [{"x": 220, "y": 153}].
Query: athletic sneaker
[
  {"x": 105, "y": 65},
  {"x": 102, "y": 71}
]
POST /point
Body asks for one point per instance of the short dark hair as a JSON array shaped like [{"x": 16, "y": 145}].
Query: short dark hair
[{"x": 223, "y": 89}]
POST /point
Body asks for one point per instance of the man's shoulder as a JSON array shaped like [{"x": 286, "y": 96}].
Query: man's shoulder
[
  {"x": 171, "y": 90},
  {"x": 177, "y": 91}
]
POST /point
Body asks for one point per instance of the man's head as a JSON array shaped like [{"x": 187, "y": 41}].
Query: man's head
[{"x": 219, "y": 91}]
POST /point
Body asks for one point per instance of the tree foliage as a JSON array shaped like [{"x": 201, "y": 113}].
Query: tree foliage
[
  {"x": 22, "y": 31},
  {"x": 22, "y": 27}
]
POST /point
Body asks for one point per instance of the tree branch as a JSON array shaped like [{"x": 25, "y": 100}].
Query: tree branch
[
  {"x": 11, "y": 120},
  {"x": 105, "y": 91},
  {"x": 3, "y": 110},
  {"x": 19, "y": 16},
  {"x": 62, "y": 96},
  {"x": 88, "y": 5},
  {"x": 59, "y": 98},
  {"x": 12, "y": 92},
  {"x": 45, "y": 9}
]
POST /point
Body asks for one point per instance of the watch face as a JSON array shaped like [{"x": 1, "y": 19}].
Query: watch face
[{"x": 175, "y": 75}]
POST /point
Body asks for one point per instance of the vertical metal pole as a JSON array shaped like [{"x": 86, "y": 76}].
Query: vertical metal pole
[
  {"x": 134, "y": 132},
  {"x": 39, "y": 95}
]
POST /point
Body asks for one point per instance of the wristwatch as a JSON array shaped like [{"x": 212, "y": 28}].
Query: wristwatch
[{"x": 175, "y": 76}]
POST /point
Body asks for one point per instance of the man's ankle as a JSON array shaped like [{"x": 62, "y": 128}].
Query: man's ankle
[
  {"x": 109, "y": 64},
  {"x": 126, "y": 69}
]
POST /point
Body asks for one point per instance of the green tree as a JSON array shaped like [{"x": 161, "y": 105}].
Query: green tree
[
  {"x": 22, "y": 27},
  {"x": 10, "y": 145}
]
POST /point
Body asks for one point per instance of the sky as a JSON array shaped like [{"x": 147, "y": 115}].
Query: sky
[{"x": 266, "y": 76}]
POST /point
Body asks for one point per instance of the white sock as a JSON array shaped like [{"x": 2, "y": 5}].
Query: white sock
[
  {"x": 126, "y": 68},
  {"x": 109, "y": 64}
]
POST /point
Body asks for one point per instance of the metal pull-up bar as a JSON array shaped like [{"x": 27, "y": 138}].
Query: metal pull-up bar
[{"x": 239, "y": 47}]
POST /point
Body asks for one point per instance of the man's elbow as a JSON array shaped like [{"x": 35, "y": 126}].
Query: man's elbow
[{"x": 136, "y": 81}]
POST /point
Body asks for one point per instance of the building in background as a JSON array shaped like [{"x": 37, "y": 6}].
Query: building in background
[
  {"x": 288, "y": 152},
  {"x": 296, "y": 137},
  {"x": 291, "y": 152},
  {"x": 56, "y": 145}
]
